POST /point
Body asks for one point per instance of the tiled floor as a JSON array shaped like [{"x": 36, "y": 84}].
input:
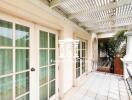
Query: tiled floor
[{"x": 99, "y": 86}]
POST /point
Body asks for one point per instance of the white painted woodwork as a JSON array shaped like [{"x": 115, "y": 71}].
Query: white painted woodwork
[{"x": 94, "y": 13}]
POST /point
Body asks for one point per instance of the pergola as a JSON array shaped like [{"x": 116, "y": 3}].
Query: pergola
[{"x": 96, "y": 15}]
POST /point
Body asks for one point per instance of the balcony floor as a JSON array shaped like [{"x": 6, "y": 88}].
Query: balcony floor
[{"x": 99, "y": 86}]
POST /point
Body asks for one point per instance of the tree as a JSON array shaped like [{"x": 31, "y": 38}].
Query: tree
[{"x": 114, "y": 45}]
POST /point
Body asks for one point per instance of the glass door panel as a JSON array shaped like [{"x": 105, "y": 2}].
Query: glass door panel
[
  {"x": 52, "y": 72},
  {"x": 51, "y": 56},
  {"x": 44, "y": 92},
  {"x": 6, "y": 89},
  {"x": 43, "y": 64},
  {"x": 22, "y": 83},
  {"x": 43, "y": 39},
  {"x": 22, "y": 36},
  {"x": 14, "y": 61},
  {"x": 83, "y": 65},
  {"x": 6, "y": 33},
  {"x": 77, "y": 67},
  {"x": 51, "y": 88},
  {"x": 6, "y": 60},
  {"x": 46, "y": 65},
  {"x": 43, "y": 75},
  {"x": 22, "y": 61},
  {"x": 52, "y": 40},
  {"x": 80, "y": 60},
  {"x": 83, "y": 56},
  {"x": 43, "y": 57}
]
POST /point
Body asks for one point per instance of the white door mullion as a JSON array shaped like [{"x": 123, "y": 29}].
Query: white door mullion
[
  {"x": 80, "y": 58},
  {"x": 14, "y": 80},
  {"x": 37, "y": 50},
  {"x": 33, "y": 64},
  {"x": 56, "y": 66},
  {"x": 48, "y": 65}
]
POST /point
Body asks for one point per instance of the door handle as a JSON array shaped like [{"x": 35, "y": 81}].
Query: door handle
[{"x": 32, "y": 69}]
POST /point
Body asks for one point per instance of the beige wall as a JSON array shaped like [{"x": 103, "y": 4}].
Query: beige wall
[{"x": 38, "y": 13}]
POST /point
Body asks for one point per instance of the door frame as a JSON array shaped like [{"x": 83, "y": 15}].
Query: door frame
[
  {"x": 15, "y": 21},
  {"x": 86, "y": 50},
  {"x": 37, "y": 29},
  {"x": 33, "y": 50}
]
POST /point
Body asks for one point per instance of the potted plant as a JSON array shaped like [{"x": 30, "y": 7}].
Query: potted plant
[{"x": 114, "y": 47}]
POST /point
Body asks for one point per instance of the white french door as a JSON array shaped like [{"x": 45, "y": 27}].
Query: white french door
[
  {"x": 81, "y": 59},
  {"x": 27, "y": 61},
  {"x": 47, "y": 63},
  {"x": 15, "y": 60}
]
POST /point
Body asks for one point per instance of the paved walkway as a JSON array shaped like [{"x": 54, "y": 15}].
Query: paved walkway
[{"x": 99, "y": 86}]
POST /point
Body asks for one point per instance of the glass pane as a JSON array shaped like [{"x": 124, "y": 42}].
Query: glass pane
[
  {"x": 43, "y": 39},
  {"x": 6, "y": 91},
  {"x": 5, "y": 33},
  {"x": 77, "y": 72},
  {"x": 6, "y": 65},
  {"x": 22, "y": 59},
  {"x": 83, "y": 53},
  {"x": 51, "y": 88},
  {"x": 83, "y": 65},
  {"x": 44, "y": 92},
  {"x": 78, "y": 53},
  {"x": 26, "y": 97},
  {"x": 79, "y": 45},
  {"x": 43, "y": 57},
  {"x": 83, "y": 45},
  {"x": 52, "y": 56},
  {"x": 77, "y": 63},
  {"x": 52, "y": 40},
  {"x": 22, "y": 36},
  {"x": 83, "y": 69},
  {"x": 43, "y": 75},
  {"x": 22, "y": 83},
  {"x": 52, "y": 72}
]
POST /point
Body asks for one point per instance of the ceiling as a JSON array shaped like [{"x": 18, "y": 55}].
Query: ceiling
[{"x": 96, "y": 15}]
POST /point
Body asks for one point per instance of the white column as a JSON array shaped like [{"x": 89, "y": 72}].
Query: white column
[{"x": 127, "y": 60}]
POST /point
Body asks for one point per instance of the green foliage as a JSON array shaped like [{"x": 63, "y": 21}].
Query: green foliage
[{"x": 112, "y": 46}]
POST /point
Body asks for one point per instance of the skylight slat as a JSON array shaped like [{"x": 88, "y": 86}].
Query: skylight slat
[
  {"x": 124, "y": 10},
  {"x": 119, "y": 13},
  {"x": 99, "y": 2},
  {"x": 103, "y": 17},
  {"x": 128, "y": 10}
]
